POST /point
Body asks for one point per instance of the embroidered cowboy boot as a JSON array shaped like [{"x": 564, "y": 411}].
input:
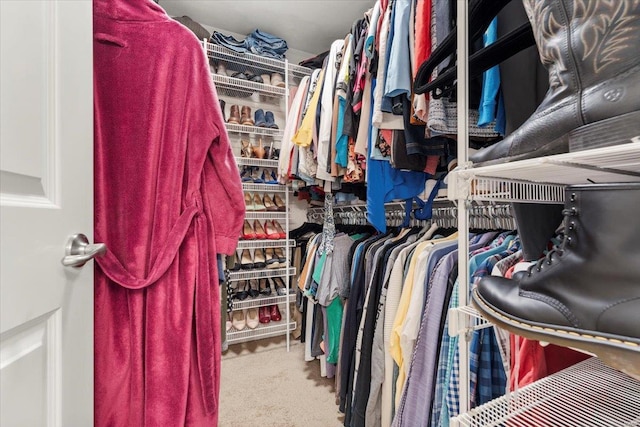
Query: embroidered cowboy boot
[
  {"x": 590, "y": 48},
  {"x": 585, "y": 293}
]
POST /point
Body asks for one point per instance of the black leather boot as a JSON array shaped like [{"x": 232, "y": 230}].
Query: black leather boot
[
  {"x": 586, "y": 293},
  {"x": 590, "y": 48}
]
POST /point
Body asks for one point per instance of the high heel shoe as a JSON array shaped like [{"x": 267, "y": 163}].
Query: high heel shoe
[
  {"x": 279, "y": 286},
  {"x": 259, "y": 151},
  {"x": 253, "y": 288},
  {"x": 264, "y": 286},
  {"x": 259, "y": 260},
  {"x": 253, "y": 319},
  {"x": 274, "y": 313},
  {"x": 228, "y": 324},
  {"x": 272, "y": 260},
  {"x": 245, "y": 148},
  {"x": 263, "y": 314},
  {"x": 260, "y": 232},
  {"x": 248, "y": 233},
  {"x": 256, "y": 177},
  {"x": 257, "y": 203},
  {"x": 240, "y": 292},
  {"x": 270, "y": 231},
  {"x": 246, "y": 261},
  {"x": 248, "y": 202},
  {"x": 238, "y": 320},
  {"x": 279, "y": 230},
  {"x": 235, "y": 262},
  {"x": 268, "y": 203},
  {"x": 269, "y": 177},
  {"x": 277, "y": 200},
  {"x": 279, "y": 253}
]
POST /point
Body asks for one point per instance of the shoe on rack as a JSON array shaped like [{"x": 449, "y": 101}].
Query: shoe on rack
[
  {"x": 253, "y": 319},
  {"x": 228, "y": 324},
  {"x": 245, "y": 116},
  {"x": 245, "y": 174},
  {"x": 270, "y": 121},
  {"x": 274, "y": 313},
  {"x": 253, "y": 288},
  {"x": 268, "y": 203},
  {"x": 584, "y": 294},
  {"x": 248, "y": 232},
  {"x": 279, "y": 253},
  {"x": 260, "y": 232},
  {"x": 272, "y": 260},
  {"x": 277, "y": 200},
  {"x": 257, "y": 202},
  {"x": 254, "y": 77},
  {"x": 234, "y": 115},
  {"x": 266, "y": 78},
  {"x": 238, "y": 320},
  {"x": 239, "y": 291},
  {"x": 259, "y": 152},
  {"x": 594, "y": 80},
  {"x": 279, "y": 230},
  {"x": 269, "y": 177},
  {"x": 245, "y": 149},
  {"x": 249, "y": 202},
  {"x": 264, "y": 285},
  {"x": 256, "y": 178},
  {"x": 279, "y": 286},
  {"x": 277, "y": 80},
  {"x": 221, "y": 69},
  {"x": 263, "y": 314},
  {"x": 259, "y": 260},
  {"x": 222, "y": 105},
  {"x": 235, "y": 262},
  {"x": 274, "y": 154},
  {"x": 270, "y": 230},
  {"x": 246, "y": 260},
  {"x": 259, "y": 118}
]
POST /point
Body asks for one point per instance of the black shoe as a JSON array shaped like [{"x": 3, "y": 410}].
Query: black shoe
[{"x": 584, "y": 294}]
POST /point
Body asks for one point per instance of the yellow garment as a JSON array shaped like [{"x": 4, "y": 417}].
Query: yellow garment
[
  {"x": 403, "y": 360},
  {"x": 304, "y": 134}
]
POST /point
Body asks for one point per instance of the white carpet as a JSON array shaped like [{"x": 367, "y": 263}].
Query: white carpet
[{"x": 264, "y": 386}]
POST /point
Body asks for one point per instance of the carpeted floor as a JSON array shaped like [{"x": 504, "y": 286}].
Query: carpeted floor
[{"x": 264, "y": 386}]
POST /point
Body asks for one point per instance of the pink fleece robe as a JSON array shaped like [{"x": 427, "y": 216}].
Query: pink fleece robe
[{"x": 168, "y": 198}]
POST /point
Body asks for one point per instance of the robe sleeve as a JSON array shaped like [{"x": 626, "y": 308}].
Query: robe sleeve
[{"x": 221, "y": 188}]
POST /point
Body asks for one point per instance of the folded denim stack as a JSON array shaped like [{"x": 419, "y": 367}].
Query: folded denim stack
[{"x": 258, "y": 43}]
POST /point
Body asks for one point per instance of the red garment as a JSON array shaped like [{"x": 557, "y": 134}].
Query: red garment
[
  {"x": 422, "y": 33},
  {"x": 168, "y": 198}
]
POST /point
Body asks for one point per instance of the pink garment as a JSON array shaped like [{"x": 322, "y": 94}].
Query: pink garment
[{"x": 168, "y": 198}]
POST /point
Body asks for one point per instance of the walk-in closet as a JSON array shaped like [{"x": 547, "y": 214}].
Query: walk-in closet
[{"x": 368, "y": 213}]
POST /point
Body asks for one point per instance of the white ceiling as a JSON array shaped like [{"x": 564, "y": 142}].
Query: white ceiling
[{"x": 307, "y": 25}]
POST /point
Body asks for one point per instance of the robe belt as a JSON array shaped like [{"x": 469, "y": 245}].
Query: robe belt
[{"x": 114, "y": 270}]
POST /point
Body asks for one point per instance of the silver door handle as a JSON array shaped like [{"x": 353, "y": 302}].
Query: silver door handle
[{"x": 78, "y": 251}]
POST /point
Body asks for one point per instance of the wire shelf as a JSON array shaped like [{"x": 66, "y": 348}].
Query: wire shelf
[
  {"x": 259, "y": 244},
  {"x": 239, "y": 88},
  {"x": 542, "y": 180},
  {"x": 254, "y": 130},
  {"x": 586, "y": 394},
  {"x": 264, "y": 163},
  {"x": 280, "y": 216},
  {"x": 255, "y": 61},
  {"x": 266, "y": 188},
  {"x": 464, "y": 319},
  {"x": 262, "y": 331},
  {"x": 234, "y": 276},
  {"x": 261, "y": 301}
]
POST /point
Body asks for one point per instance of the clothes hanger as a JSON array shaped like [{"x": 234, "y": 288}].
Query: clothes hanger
[{"x": 481, "y": 13}]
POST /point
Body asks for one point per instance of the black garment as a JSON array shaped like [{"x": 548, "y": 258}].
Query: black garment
[
  {"x": 351, "y": 324},
  {"x": 314, "y": 62},
  {"x": 363, "y": 382}
]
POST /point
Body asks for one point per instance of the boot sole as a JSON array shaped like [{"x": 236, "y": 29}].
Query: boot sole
[
  {"x": 606, "y": 133},
  {"x": 619, "y": 352}
]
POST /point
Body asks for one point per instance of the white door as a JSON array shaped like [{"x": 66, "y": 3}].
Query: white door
[{"x": 46, "y": 195}]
